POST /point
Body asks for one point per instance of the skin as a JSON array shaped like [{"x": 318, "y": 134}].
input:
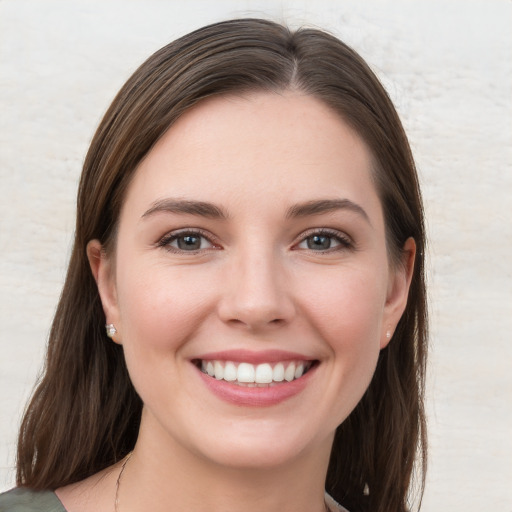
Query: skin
[{"x": 257, "y": 282}]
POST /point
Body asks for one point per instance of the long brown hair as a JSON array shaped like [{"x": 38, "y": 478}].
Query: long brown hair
[{"x": 85, "y": 413}]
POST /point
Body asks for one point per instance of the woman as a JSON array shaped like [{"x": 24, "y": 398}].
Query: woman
[{"x": 250, "y": 232}]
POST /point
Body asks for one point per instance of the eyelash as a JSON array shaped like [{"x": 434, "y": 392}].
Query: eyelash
[
  {"x": 345, "y": 243},
  {"x": 175, "y": 235}
]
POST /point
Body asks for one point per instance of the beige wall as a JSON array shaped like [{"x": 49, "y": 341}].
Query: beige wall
[{"x": 447, "y": 65}]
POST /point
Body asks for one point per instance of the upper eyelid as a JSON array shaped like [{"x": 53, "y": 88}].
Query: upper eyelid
[
  {"x": 324, "y": 231},
  {"x": 184, "y": 231},
  {"x": 191, "y": 230}
]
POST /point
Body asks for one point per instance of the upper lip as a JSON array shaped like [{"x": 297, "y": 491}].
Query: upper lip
[{"x": 254, "y": 357}]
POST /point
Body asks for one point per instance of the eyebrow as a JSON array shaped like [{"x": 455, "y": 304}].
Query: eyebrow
[
  {"x": 317, "y": 207},
  {"x": 212, "y": 211},
  {"x": 185, "y": 206}
]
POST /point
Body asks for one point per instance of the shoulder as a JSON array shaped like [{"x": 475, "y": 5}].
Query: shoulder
[
  {"x": 21, "y": 499},
  {"x": 332, "y": 505}
]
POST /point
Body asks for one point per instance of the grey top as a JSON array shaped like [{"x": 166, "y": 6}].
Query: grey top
[{"x": 22, "y": 499}]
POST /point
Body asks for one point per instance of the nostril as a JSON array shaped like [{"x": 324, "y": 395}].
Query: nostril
[{"x": 253, "y": 325}]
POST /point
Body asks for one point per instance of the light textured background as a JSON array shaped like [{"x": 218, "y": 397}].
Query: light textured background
[{"x": 447, "y": 65}]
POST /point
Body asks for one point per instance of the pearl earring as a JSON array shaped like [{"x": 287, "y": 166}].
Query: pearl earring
[
  {"x": 388, "y": 334},
  {"x": 111, "y": 330}
]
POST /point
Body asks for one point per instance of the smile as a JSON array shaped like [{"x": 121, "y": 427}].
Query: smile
[{"x": 254, "y": 375}]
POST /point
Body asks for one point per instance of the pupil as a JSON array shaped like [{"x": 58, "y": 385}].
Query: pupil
[
  {"x": 317, "y": 242},
  {"x": 189, "y": 242}
]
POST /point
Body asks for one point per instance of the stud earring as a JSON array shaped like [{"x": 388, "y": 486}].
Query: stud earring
[
  {"x": 388, "y": 334},
  {"x": 111, "y": 330}
]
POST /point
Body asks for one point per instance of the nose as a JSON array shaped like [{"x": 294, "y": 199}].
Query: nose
[{"x": 257, "y": 293}]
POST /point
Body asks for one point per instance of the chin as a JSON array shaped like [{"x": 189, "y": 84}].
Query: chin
[
  {"x": 254, "y": 456},
  {"x": 262, "y": 446}
]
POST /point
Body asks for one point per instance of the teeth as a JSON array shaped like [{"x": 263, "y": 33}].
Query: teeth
[
  {"x": 219, "y": 370},
  {"x": 230, "y": 372},
  {"x": 289, "y": 373},
  {"x": 278, "y": 374},
  {"x": 245, "y": 373},
  {"x": 252, "y": 375},
  {"x": 264, "y": 374}
]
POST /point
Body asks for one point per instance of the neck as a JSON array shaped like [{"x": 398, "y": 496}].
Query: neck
[{"x": 164, "y": 474}]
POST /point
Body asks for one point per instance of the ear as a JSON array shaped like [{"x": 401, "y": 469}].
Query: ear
[
  {"x": 398, "y": 291},
  {"x": 102, "y": 269}
]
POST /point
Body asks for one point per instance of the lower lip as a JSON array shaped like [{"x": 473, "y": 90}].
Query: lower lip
[{"x": 256, "y": 396}]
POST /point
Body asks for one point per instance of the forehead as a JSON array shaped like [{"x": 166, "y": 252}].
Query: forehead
[{"x": 263, "y": 148}]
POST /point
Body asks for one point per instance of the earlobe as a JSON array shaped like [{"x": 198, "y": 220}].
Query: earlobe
[
  {"x": 103, "y": 273},
  {"x": 398, "y": 291}
]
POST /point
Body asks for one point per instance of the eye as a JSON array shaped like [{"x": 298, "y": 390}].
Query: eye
[
  {"x": 186, "y": 241},
  {"x": 324, "y": 240}
]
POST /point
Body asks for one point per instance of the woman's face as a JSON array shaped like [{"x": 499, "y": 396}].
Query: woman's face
[{"x": 251, "y": 288}]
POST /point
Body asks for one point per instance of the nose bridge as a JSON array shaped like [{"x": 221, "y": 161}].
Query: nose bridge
[{"x": 256, "y": 293}]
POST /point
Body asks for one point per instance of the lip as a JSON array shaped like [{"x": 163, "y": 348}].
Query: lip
[
  {"x": 243, "y": 396},
  {"x": 249, "y": 356}
]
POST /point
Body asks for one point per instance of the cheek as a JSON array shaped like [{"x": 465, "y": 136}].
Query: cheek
[
  {"x": 348, "y": 306},
  {"x": 347, "y": 312},
  {"x": 160, "y": 307},
  {"x": 160, "y": 310}
]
